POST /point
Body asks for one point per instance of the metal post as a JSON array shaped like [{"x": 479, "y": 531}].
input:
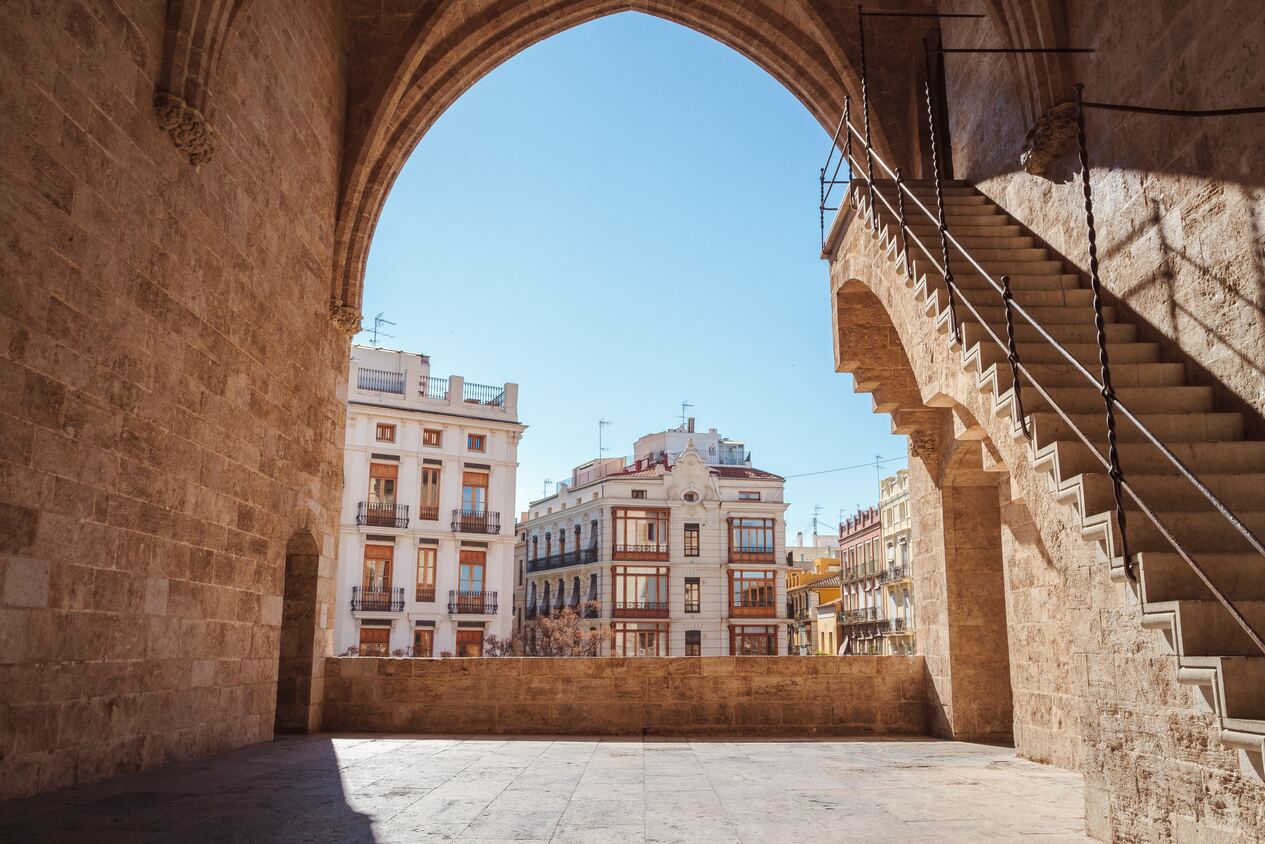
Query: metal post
[
  {"x": 1012, "y": 354},
  {"x": 821, "y": 206},
  {"x": 935, "y": 168},
  {"x": 904, "y": 235},
  {"x": 1095, "y": 283},
  {"x": 865, "y": 111},
  {"x": 847, "y": 144}
]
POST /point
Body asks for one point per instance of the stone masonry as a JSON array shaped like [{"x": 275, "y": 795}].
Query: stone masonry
[{"x": 655, "y": 696}]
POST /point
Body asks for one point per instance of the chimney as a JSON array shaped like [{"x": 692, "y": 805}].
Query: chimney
[
  {"x": 691, "y": 426},
  {"x": 799, "y": 539}
]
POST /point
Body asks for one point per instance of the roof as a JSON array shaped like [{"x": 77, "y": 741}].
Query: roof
[
  {"x": 744, "y": 473},
  {"x": 814, "y": 581}
]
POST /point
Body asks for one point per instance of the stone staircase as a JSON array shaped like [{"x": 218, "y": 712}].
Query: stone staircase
[{"x": 1213, "y": 652}]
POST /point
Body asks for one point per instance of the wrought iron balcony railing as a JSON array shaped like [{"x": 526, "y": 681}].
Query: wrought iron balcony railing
[
  {"x": 385, "y": 600},
  {"x": 580, "y": 557},
  {"x": 425, "y": 594},
  {"x": 640, "y": 609},
  {"x": 428, "y": 512},
  {"x": 483, "y": 394},
  {"x": 374, "y": 514},
  {"x": 471, "y": 603},
  {"x": 476, "y": 521},
  {"x": 640, "y": 552},
  {"x": 894, "y": 572}
]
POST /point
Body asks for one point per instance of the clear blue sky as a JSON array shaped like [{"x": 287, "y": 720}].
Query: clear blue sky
[{"x": 618, "y": 219}]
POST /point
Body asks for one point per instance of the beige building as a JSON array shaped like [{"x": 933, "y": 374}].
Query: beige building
[
  {"x": 679, "y": 554},
  {"x": 425, "y": 565},
  {"x": 896, "y": 581}
]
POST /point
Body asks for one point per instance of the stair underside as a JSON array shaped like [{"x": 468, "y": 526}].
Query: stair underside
[{"x": 1213, "y": 651}]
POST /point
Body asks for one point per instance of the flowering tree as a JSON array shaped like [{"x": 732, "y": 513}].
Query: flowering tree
[{"x": 564, "y": 633}]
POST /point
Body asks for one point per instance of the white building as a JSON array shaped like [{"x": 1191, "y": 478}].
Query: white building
[
  {"x": 897, "y": 577},
  {"x": 425, "y": 555},
  {"x": 680, "y": 552}
]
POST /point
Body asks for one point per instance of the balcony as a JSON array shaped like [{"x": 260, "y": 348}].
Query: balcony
[
  {"x": 899, "y": 625},
  {"x": 558, "y": 561},
  {"x": 751, "y": 555},
  {"x": 529, "y": 612},
  {"x": 374, "y": 514},
  {"x": 483, "y": 394},
  {"x": 387, "y": 600},
  {"x": 425, "y": 594},
  {"x": 471, "y": 603},
  {"x": 592, "y": 608},
  {"x": 801, "y": 615},
  {"x": 476, "y": 521},
  {"x": 640, "y": 609},
  {"x": 753, "y": 609},
  {"x": 380, "y": 381},
  {"x": 894, "y": 573},
  {"x": 428, "y": 513},
  {"x": 640, "y": 552}
]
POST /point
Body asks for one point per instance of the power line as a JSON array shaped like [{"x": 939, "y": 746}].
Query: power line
[{"x": 877, "y": 462}]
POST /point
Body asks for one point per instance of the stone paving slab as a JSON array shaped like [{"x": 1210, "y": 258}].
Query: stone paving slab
[{"x": 355, "y": 788}]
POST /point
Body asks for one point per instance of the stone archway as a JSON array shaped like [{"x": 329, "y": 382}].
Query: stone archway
[{"x": 298, "y": 662}]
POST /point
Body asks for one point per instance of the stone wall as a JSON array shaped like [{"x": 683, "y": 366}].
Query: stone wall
[
  {"x": 710, "y": 696},
  {"x": 169, "y": 379},
  {"x": 1179, "y": 202}
]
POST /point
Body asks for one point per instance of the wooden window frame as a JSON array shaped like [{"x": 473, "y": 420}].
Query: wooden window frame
[
  {"x": 693, "y": 642},
  {"x": 427, "y": 564},
  {"x": 638, "y": 494},
  {"x": 739, "y": 633},
  {"x": 384, "y": 427},
  {"x": 423, "y": 641},
  {"x": 695, "y": 606},
  {"x": 374, "y": 647},
  {"x": 481, "y": 439},
  {"x": 428, "y": 506},
  {"x": 761, "y": 584},
  {"x": 622, "y": 631},
  {"x": 658, "y": 608},
  {"x": 748, "y": 495},
  {"x": 660, "y": 517},
  {"x": 693, "y": 537},
  {"x": 740, "y": 551},
  {"x": 433, "y": 437},
  {"x": 468, "y": 633}
]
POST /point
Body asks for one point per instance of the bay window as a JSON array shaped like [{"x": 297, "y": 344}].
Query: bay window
[
  {"x": 640, "y": 591},
  {"x": 751, "y": 540},
  {"x": 640, "y": 534},
  {"x": 752, "y": 593}
]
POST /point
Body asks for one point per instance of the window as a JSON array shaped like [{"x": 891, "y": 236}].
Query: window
[
  {"x": 385, "y": 433},
  {"x": 752, "y": 640},
  {"x": 472, "y": 563},
  {"x": 750, "y": 540},
  {"x": 691, "y": 539},
  {"x": 428, "y": 509},
  {"x": 640, "y": 591},
  {"x": 432, "y": 437},
  {"x": 640, "y": 534},
  {"x": 748, "y": 495},
  {"x": 426, "y": 555},
  {"x": 693, "y": 643},
  {"x": 375, "y": 640},
  {"x": 693, "y": 595},
  {"x": 640, "y": 639},
  {"x": 691, "y": 497},
  {"x": 752, "y": 593},
  {"x": 638, "y": 493},
  {"x": 476, "y": 442},
  {"x": 470, "y": 641},
  {"x": 535, "y": 547},
  {"x": 376, "y": 577},
  {"x": 423, "y": 641},
  {"x": 474, "y": 493},
  {"x": 382, "y": 478}
]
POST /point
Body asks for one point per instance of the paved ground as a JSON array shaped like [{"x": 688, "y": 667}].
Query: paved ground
[{"x": 388, "y": 789}]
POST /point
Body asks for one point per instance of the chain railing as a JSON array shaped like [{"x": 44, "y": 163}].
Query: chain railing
[{"x": 1021, "y": 373}]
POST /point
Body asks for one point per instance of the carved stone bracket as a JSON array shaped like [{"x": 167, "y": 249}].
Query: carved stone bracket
[
  {"x": 345, "y": 318},
  {"x": 192, "y": 46},
  {"x": 1048, "y": 138},
  {"x": 923, "y": 444},
  {"x": 186, "y": 126}
]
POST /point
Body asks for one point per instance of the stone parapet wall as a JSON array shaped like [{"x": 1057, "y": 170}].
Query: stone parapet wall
[{"x": 774, "y": 696}]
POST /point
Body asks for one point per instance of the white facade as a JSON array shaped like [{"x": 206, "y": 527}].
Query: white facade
[
  {"x": 426, "y": 537},
  {"x": 653, "y": 552}
]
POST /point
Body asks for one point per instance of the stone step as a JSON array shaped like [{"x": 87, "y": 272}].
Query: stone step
[
  {"x": 1165, "y": 576},
  {"x": 1143, "y": 401},
  {"x": 1196, "y": 531},
  {"x": 1064, "y": 375},
  {"x": 891, "y": 233},
  {"x": 1045, "y": 315},
  {"x": 1048, "y": 428},
  {"x": 1204, "y": 628},
  {"x": 1070, "y": 457},
  {"x": 930, "y": 232},
  {"x": 1065, "y": 334},
  {"x": 1238, "y": 491},
  {"x": 970, "y": 279}
]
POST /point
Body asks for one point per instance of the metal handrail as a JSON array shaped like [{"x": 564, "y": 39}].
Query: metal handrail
[{"x": 1119, "y": 406}]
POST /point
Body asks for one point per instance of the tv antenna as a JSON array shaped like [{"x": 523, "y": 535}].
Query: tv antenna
[
  {"x": 379, "y": 321},
  {"x": 816, "y": 513},
  {"x": 601, "y": 425},
  {"x": 545, "y": 492},
  {"x": 685, "y": 404}
]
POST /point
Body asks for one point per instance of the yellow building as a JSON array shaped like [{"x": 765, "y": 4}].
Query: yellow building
[{"x": 812, "y": 598}]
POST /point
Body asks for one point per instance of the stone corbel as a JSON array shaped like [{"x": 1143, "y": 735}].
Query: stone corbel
[
  {"x": 346, "y": 319},
  {"x": 1048, "y": 139},
  {"x": 192, "y": 46}
]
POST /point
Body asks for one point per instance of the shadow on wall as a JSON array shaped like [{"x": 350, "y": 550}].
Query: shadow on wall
[{"x": 287, "y": 790}]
